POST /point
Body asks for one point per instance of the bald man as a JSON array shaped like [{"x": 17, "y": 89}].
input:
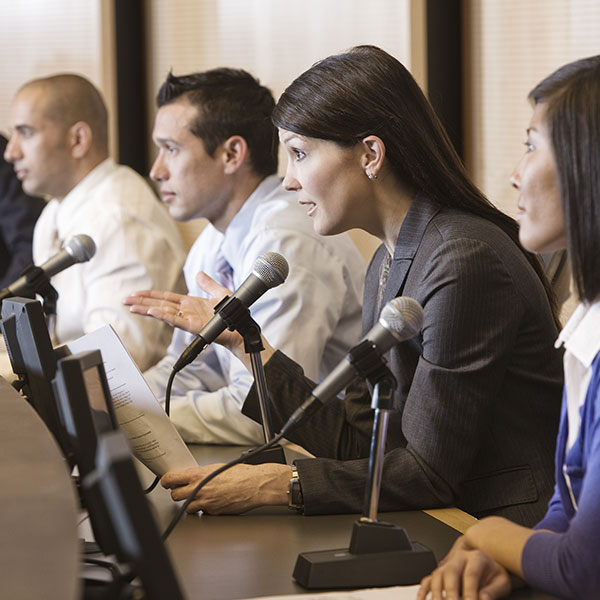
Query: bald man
[{"x": 59, "y": 150}]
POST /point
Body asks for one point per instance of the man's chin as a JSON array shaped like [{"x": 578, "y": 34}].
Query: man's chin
[{"x": 31, "y": 189}]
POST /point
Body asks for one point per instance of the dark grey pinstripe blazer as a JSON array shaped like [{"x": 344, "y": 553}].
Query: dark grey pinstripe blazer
[{"x": 479, "y": 392}]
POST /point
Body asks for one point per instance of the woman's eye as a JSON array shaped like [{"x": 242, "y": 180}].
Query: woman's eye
[{"x": 299, "y": 155}]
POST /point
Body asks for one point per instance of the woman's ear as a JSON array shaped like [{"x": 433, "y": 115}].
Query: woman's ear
[
  {"x": 234, "y": 153},
  {"x": 373, "y": 155}
]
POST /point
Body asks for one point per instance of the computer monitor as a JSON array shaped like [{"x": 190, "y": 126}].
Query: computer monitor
[
  {"x": 115, "y": 485},
  {"x": 33, "y": 361},
  {"x": 85, "y": 405},
  {"x": 86, "y": 410}
]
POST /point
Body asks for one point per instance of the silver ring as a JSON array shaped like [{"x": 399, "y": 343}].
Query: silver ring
[{"x": 180, "y": 313}]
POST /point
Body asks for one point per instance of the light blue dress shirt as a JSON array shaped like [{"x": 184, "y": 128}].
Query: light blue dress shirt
[{"x": 314, "y": 317}]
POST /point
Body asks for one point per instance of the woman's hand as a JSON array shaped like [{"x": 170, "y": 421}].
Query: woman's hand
[
  {"x": 234, "y": 491},
  {"x": 186, "y": 312},
  {"x": 466, "y": 573}
]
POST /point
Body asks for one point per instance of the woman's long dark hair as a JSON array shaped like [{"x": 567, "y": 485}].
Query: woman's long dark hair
[
  {"x": 572, "y": 96},
  {"x": 366, "y": 91}
]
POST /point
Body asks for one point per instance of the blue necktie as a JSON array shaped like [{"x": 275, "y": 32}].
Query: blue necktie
[{"x": 223, "y": 271}]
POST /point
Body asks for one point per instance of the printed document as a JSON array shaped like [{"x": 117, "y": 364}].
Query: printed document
[{"x": 152, "y": 437}]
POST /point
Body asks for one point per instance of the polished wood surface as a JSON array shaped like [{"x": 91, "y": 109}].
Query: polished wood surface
[
  {"x": 39, "y": 553},
  {"x": 454, "y": 517},
  {"x": 231, "y": 557}
]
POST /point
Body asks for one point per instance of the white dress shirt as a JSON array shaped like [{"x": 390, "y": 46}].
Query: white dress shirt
[
  {"x": 138, "y": 247},
  {"x": 314, "y": 317},
  {"x": 582, "y": 344},
  {"x": 580, "y": 350}
]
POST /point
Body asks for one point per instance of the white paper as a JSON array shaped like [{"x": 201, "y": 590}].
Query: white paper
[
  {"x": 408, "y": 592},
  {"x": 152, "y": 437}
]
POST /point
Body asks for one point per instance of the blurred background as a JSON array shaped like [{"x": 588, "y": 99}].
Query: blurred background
[{"x": 476, "y": 59}]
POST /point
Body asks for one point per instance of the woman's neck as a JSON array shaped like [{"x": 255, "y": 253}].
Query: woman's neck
[{"x": 392, "y": 203}]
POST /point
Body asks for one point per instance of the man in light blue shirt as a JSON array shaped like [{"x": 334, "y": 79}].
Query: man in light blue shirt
[{"x": 217, "y": 159}]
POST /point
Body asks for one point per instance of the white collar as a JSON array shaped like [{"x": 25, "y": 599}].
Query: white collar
[
  {"x": 581, "y": 335},
  {"x": 96, "y": 175}
]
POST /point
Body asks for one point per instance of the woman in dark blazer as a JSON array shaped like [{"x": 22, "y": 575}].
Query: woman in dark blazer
[{"x": 478, "y": 395}]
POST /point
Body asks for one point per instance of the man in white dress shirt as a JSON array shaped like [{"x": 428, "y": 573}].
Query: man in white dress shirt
[
  {"x": 59, "y": 150},
  {"x": 217, "y": 159}
]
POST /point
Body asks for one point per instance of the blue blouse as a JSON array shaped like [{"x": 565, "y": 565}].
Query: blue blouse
[{"x": 563, "y": 558}]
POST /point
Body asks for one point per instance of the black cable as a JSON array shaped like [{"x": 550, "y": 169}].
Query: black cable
[
  {"x": 243, "y": 458},
  {"x": 167, "y": 410},
  {"x": 152, "y": 485},
  {"x": 117, "y": 588},
  {"x": 105, "y": 564},
  {"x": 168, "y": 392}
]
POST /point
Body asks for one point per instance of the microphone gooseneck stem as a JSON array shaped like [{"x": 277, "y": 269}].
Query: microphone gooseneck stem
[
  {"x": 382, "y": 402},
  {"x": 253, "y": 345},
  {"x": 258, "y": 373}
]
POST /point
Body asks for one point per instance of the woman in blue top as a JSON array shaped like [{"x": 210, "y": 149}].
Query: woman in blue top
[{"x": 559, "y": 206}]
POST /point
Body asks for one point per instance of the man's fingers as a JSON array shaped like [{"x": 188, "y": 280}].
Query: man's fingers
[{"x": 210, "y": 286}]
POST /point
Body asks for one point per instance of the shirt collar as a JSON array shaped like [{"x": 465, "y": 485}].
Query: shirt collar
[
  {"x": 241, "y": 222},
  {"x": 578, "y": 335},
  {"x": 81, "y": 192}
]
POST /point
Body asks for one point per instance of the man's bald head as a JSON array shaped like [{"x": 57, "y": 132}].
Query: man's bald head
[{"x": 68, "y": 99}]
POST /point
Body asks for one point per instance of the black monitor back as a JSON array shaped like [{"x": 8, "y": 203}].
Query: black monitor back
[
  {"x": 86, "y": 409},
  {"x": 33, "y": 360},
  {"x": 85, "y": 405},
  {"x": 116, "y": 485}
]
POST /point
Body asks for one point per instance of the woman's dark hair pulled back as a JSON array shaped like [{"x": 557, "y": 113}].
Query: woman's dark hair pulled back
[{"x": 366, "y": 91}]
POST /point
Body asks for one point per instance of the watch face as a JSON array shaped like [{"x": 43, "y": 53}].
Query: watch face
[{"x": 295, "y": 499}]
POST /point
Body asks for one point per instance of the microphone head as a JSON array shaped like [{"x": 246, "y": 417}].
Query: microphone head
[
  {"x": 271, "y": 268},
  {"x": 81, "y": 247},
  {"x": 403, "y": 317}
]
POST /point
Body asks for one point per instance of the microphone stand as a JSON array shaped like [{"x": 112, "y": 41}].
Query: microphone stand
[
  {"x": 380, "y": 553},
  {"x": 38, "y": 282},
  {"x": 237, "y": 317}
]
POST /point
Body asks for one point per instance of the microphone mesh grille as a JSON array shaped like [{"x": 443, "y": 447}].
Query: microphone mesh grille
[
  {"x": 403, "y": 316},
  {"x": 81, "y": 247},
  {"x": 271, "y": 268}
]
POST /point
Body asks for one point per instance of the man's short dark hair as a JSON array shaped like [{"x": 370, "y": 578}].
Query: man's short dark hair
[{"x": 229, "y": 102}]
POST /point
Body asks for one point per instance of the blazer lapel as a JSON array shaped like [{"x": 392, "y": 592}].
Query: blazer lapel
[{"x": 411, "y": 233}]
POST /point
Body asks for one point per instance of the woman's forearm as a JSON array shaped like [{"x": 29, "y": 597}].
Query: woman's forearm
[{"x": 500, "y": 539}]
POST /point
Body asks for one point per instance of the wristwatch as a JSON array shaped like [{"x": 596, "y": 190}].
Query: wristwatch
[{"x": 295, "y": 499}]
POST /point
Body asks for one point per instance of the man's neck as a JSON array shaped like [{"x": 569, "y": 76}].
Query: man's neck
[
  {"x": 241, "y": 192},
  {"x": 82, "y": 170}
]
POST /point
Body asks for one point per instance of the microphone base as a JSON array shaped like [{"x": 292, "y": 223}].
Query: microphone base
[
  {"x": 380, "y": 554},
  {"x": 275, "y": 454}
]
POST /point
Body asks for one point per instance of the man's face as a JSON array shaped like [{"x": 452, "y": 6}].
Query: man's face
[
  {"x": 38, "y": 147},
  {"x": 192, "y": 183}
]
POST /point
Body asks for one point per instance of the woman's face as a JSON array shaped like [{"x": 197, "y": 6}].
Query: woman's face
[
  {"x": 540, "y": 215},
  {"x": 331, "y": 182}
]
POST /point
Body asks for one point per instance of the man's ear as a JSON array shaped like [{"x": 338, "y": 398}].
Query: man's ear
[
  {"x": 234, "y": 153},
  {"x": 373, "y": 155},
  {"x": 80, "y": 138}
]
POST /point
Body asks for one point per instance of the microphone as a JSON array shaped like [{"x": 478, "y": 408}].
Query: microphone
[
  {"x": 269, "y": 270},
  {"x": 77, "y": 249},
  {"x": 401, "y": 319}
]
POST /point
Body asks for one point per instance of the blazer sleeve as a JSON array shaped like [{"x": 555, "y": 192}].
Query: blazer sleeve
[{"x": 472, "y": 312}]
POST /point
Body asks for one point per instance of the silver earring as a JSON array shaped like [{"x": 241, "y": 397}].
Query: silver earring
[{"x": 371, "y": 176}]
